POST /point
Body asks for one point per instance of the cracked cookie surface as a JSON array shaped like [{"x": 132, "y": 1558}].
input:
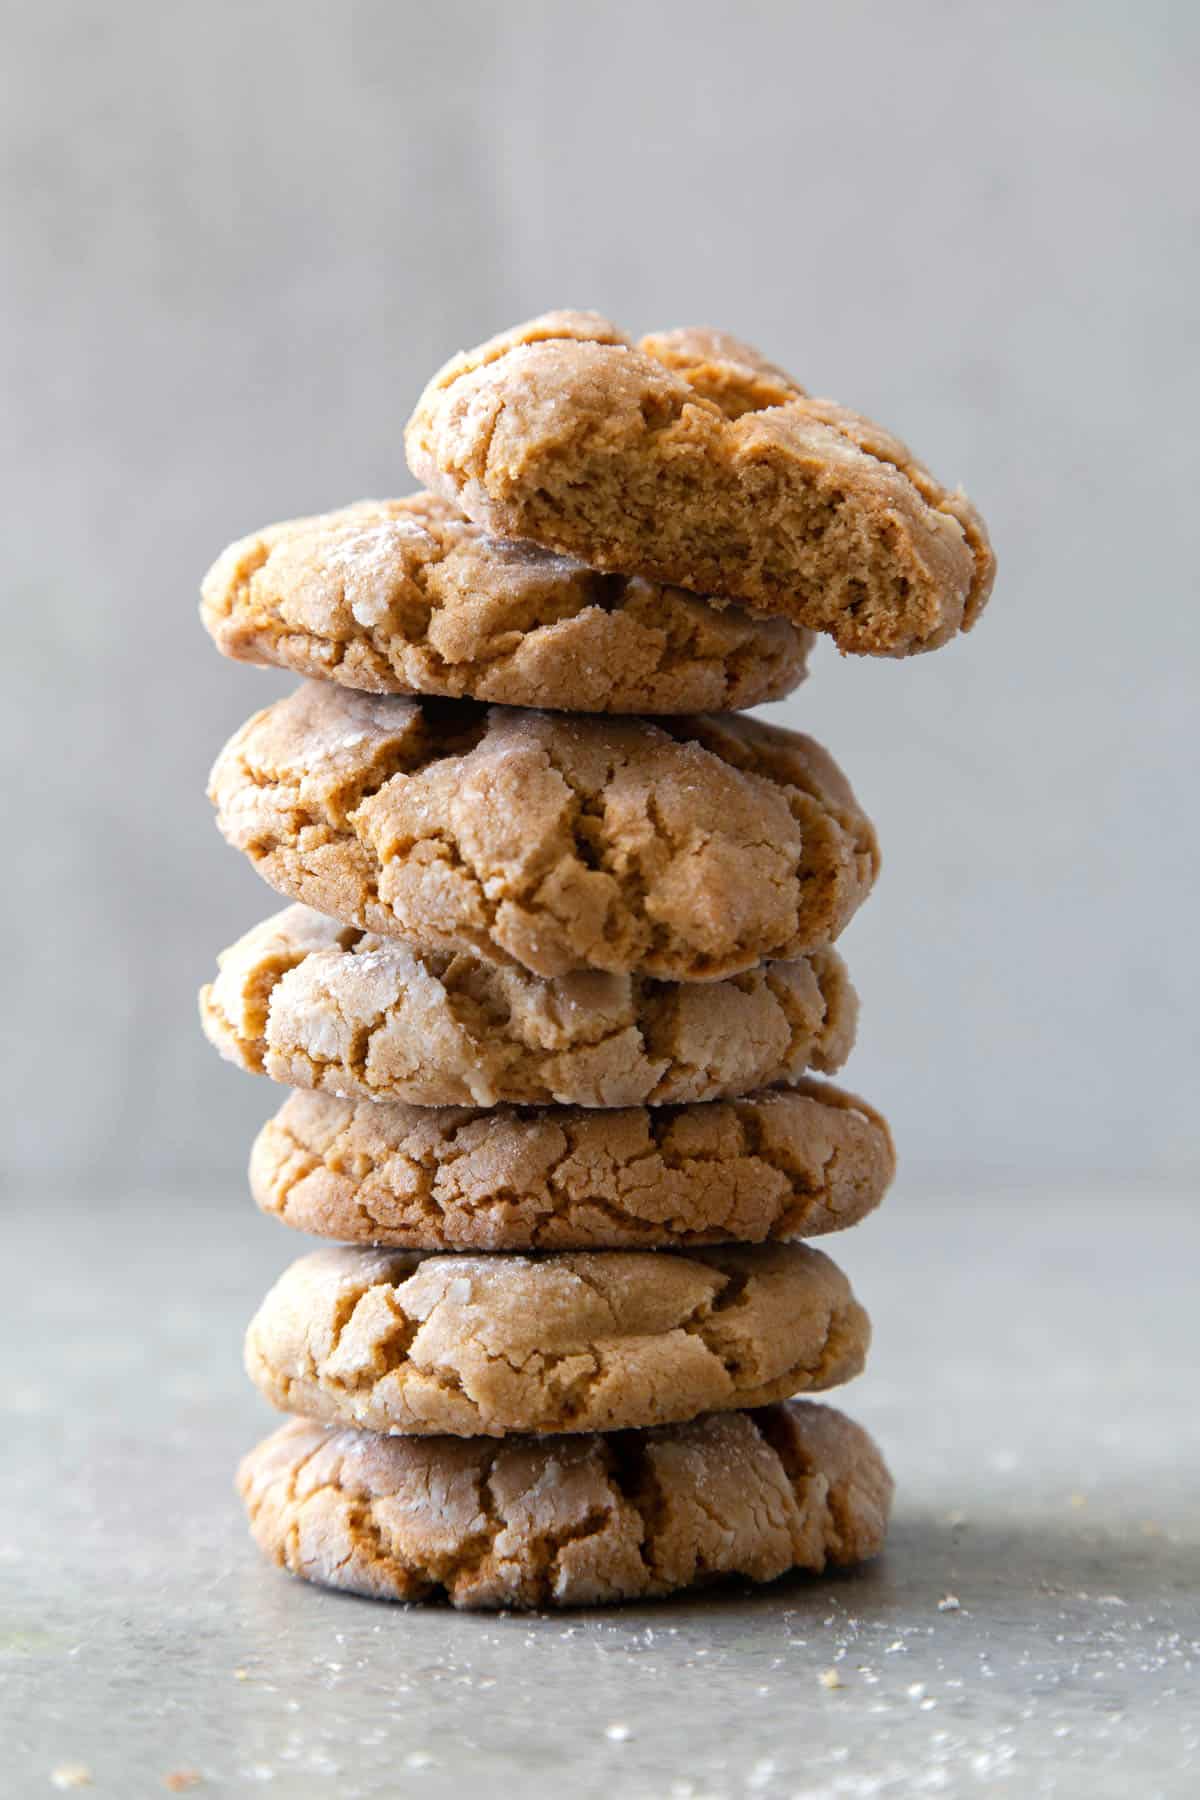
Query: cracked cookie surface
[
  {"x": 690, "y": 459},
  {"x": 575, "y": 1521},
  {"x": 408, "y": 596},
  {"x": 781, "y": 1165},
  {"x": 566, "y": 1341},
  {"x": 314, "y": 1004},
  {"x": 688, "y": 849}
]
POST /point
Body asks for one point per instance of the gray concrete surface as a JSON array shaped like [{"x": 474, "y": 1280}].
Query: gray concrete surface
[
  {"x": 237, "y": 241},
  {"x": 1033, "y": 1381}
]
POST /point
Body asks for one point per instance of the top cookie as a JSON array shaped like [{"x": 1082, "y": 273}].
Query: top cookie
[
  {"x": 690, "y": 460},
  {"x": 408, "y": 596},
  {"x": 690, "y": 850}
]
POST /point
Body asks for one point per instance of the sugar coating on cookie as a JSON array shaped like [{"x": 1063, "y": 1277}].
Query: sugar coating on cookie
[
  {"x": 690, "y": 460},
  {"x": 408, "y": 596},
  {"x": 781, "y": 1165},
  {"x": 572, "y": 1521},
  {"x": 393, "y": 1340},
  {"x": 688, "y": 849},
  {"x": 722, "y": 368},
  {"x": 315, "y": 1004}
]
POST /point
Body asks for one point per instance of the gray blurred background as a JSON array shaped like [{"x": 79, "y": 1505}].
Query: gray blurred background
[{"x": 238, "y": 240}]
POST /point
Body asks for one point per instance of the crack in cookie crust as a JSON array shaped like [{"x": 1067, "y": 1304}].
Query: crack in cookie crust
[
  {"x": 689, "y": 459},
  {"x": 569, "y": 1521},
  {"x": 781, "y": 1165},
  {"x": 315, "y": 1004},
  {"x": 408, "y": 596},
  {"x": 393, "y": 1340},
  {"x": 689, "y": 849}
]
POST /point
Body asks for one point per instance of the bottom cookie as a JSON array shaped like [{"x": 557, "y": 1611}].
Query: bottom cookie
[{"x": 569, "y": 1521}]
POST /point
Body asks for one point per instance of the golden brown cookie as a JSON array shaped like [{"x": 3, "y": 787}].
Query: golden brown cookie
[
  {"x": 320, "y": 1005},
  {"x": 408, "y": 596},
  {"x": 688, "y": 849},
  {"x": 690, "y": 460},
  {"x": 572, "y": 1521},
  {"x": 781, "y": 1165},
  {"x": 720, "y": 367},
  {"x": 584, "y": 1340}
]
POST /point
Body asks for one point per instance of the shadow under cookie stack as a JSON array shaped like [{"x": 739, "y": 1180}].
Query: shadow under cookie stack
[{"x": 558, "y": 964}]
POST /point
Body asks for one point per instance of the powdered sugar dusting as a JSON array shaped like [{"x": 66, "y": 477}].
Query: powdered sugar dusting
[{"x": 371, "y": 562}]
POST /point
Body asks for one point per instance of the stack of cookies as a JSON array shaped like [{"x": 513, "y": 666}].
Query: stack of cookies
[{"x": 557, "y": 968}]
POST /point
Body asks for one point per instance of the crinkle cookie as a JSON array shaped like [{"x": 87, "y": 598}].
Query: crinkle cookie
[
  {"x": 315, "y": 1004},
  {"x": 780, "y": 1165},
  {"x": 408, "y": 596},
  {"x": 688, "y": 849},
  {"x": 690, "y": 460},
  {"x": 584, "y": 1340},
  {"x": 573, "y": 1521}
]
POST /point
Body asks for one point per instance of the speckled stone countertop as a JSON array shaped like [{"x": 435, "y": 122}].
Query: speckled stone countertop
[{"x": 1034, "y": 1627}]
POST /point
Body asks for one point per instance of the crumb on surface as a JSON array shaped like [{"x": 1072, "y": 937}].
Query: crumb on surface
[{"x": 71, "y": 1775}]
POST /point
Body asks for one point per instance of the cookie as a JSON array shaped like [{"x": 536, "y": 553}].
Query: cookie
[
  {"x": 690, "y": 460},
  {"x": 780, "y": 1165},
  {"x": 573, "y": 1521},
  {"x": 716, "y": 366},
  {"x": 584, "y": 1340},
  {"x": 408, "y": 596},
  {"x": 688, "y": 849},
  {"x": 320, "y": 1005}
]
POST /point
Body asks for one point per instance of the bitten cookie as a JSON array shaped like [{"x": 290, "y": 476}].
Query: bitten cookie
[
  {"x": 572, "y": 1521},
  {"x": 688, "y": 849},
  {"x": 780, "y": 1165},
  {"x": 315, "y": 1004},
  {"x": 690, "y": 460},
  {"x": 391, "y": 1340},
  {"x": 408, "y": 596}
]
